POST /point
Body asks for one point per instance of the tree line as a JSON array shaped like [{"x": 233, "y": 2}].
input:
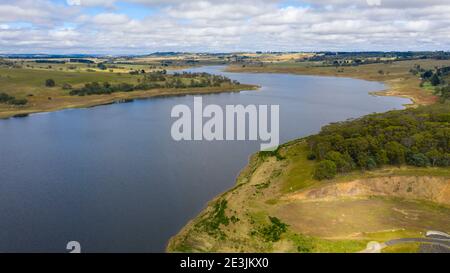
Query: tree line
[
  {"x": 436, "y": 77},
  {"x": 5, "y": 98},
  {"x": 418, "y": 137},
  {"x": 155, "y": 80}
]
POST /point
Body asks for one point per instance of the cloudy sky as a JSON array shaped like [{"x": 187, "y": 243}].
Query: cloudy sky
[{"x": 143, "y": 26}]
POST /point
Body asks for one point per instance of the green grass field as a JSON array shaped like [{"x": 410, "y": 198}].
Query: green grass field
[
  {"x": 28, "y": 81},
  {"x": 22, "y": 82}
]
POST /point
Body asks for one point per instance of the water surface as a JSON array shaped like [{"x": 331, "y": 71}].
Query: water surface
[{"x": 112, "y": 178}]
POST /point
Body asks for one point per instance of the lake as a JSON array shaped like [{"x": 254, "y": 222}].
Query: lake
[{"x": 112, "y": 178}]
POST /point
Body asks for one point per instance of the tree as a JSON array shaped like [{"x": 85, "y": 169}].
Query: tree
[
  {"x": 434, "y": 156},
  {"x": 322, "y": 149},
  {"x": 325, "y": 170},
  {"x": 5, "y": 97},
  {"x": 427, "y": 74},
  {"x": 445, "y": 160},
  {"x": 344, "y": 163},
  {"x": 381, "y": 157},
  {"x": 50, "y": 83},
  {"x": 362, "y": 160},
  {"x": 102, "y": 66},
  {"x": 395, "y": 153},
  {"x": 419, "y": 160},
  {"x": 18, "y": 101},
  {"x": 443, "y": 92},
  {"x": 435, "y": 80}
]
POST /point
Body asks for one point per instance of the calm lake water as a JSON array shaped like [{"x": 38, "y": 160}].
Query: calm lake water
[{"x": 112, "y": 178}]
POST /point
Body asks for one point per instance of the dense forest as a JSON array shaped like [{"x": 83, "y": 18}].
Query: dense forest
[
  {"x": 418, "y": 137},
  {"x": 159, "y": 79}
]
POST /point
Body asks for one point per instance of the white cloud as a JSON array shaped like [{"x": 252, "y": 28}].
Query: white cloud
[
  {"x": 373, "y": 2},
  {"x": 37, "y": 12},
  {"x": 226, "y": 25},
  {"x": 74, "y": 2},
  {"x": 91, "y": 3},
  {"x": 110, "y": 19}
]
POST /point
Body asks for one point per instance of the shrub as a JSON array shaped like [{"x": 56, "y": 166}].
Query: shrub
[
  {"x": 273, "y": 232},
  {"x": 101, "y": 66},
  {"x": 50, "y": 83},
  {"x": 311, "y": 156},
  {"x": 435, "y": 80},
  {"x": 371, "y": 163},
  {"x": 18, "y": 101},
  {"x": 325, "y": 170},
  {"x": 304, "y": 244},
  {"x": 343, "y": 163},
  {"x": 5, "y": 98},
  {"x": 443, "y": 92},
  {"x": 214, "y": 219},
  {"x": 381, "y": 157}
]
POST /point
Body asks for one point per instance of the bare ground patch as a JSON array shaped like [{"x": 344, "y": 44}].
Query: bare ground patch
[
  {"x": 435, "y": 189},
  {"x": 351, "y": 218}
]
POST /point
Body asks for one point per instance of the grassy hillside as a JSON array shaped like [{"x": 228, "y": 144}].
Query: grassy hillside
[
  {"x": 20, "y": 83},
  {"x": 278, "y": 206}
]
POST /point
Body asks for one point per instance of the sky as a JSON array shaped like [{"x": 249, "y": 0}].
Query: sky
[{"x": 146, "y": 26}]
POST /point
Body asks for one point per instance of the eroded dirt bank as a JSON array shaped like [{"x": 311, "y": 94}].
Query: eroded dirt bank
[{"x": 435, "y": 189}]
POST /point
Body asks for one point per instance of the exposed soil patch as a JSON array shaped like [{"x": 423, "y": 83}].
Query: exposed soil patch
[
  {"x": 352, "y": 218},
  {"x": 435, "y": 189}
]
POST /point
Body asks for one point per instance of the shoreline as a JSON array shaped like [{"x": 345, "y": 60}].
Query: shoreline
[
  {"x": 121, "y": 97},
  {"x": 254, "y": 162},
  {"x": 190, "y": 238},
  {"x": 395, "y": 87},
  {"x": 402, "y": 85},
  {"x": 388, "y": 92}
]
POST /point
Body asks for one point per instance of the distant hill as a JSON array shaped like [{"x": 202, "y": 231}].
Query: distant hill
[{"x": 47, "y": 56}]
